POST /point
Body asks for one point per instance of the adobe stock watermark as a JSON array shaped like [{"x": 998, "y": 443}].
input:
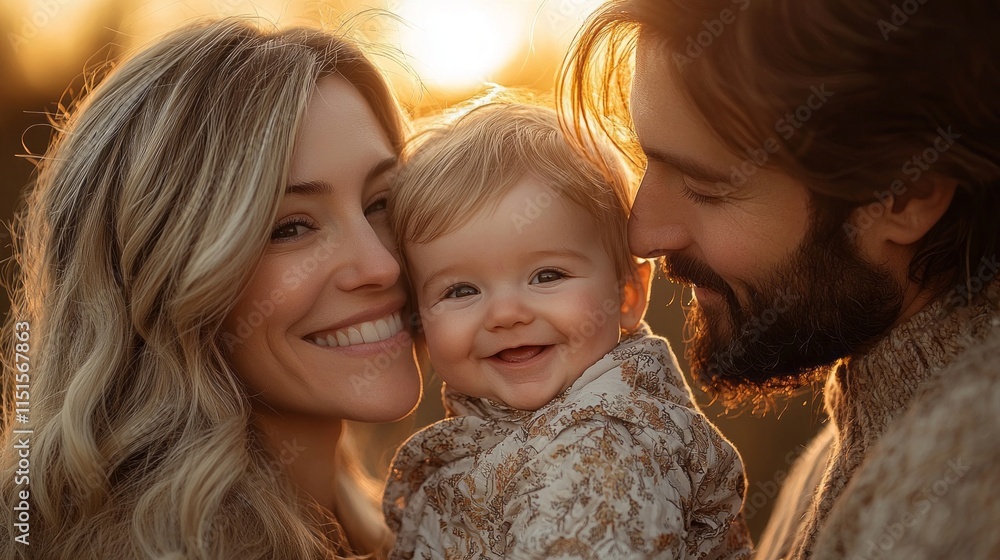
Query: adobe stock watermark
[
  {"x": 533, "y": 209},
  {"x": 960, "y": 296},
  {"x": 913, "y": 168},
  {"x": 584, "y": 332},
  {"x": 227, "y": 7},
  {"x": 787, "y": 126},
  {"x": 922, "y": 503},
  {"x": 900, "y": 15},
  {"x": 712, "y": 29},
  {"x": 761, "y": 493},
  {"x": 753, "y": 330},
  {"x": 31, "y": 25},
  {"x": 984, "y": 276},
  {"x": 560, "y": 12},
  {"x": 223, "y": 7},
  {"x": 364, "y": 381},
  {"x": 291, "y": 279}
]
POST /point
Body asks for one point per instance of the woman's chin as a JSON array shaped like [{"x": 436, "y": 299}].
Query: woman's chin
[{"x": 391, "y": 398}]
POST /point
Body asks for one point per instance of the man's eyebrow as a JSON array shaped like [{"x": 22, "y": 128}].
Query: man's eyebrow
[
  {"x": 307, "y": 188},
  {"x": 687, "y": 166}
]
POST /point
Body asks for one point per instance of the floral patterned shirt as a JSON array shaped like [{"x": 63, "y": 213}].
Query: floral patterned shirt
[{"x": 620, "y": 465}]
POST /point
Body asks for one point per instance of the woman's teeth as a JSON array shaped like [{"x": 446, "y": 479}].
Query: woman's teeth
[{"x": 362, "y": 333}]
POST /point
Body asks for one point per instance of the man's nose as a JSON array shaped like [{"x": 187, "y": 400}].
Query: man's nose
[{"x": 656, "y": 224}]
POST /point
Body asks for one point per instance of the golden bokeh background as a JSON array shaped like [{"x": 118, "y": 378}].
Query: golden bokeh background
[{"x": 436, "y": 52}]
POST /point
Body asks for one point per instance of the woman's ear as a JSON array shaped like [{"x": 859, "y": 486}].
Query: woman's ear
[{"x": 635, "y": 296}]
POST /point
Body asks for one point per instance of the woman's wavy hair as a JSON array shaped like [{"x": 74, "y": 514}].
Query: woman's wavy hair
[
  {"x": 898, "y": 74},
  {"x": 147, "y": 216}
]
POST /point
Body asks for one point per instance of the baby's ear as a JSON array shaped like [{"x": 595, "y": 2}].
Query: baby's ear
[{"x": 635, "y": 296}]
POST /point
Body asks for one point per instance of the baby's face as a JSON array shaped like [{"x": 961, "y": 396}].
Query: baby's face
[{"x": 517, "y": 303}]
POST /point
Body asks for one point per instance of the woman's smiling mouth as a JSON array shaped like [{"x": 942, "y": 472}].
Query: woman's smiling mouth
[{"x": 367, "y": 332}]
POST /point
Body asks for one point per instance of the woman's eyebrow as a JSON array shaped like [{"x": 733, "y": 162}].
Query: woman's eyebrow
[
  {"x": 380, "y": 168},
  {"x": 310, "y": 188}
]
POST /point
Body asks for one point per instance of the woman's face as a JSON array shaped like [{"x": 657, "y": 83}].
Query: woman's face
[{"x": 319, "y": 331}]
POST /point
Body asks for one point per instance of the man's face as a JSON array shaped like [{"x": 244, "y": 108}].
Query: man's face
[{"x": 779, "y": 289}]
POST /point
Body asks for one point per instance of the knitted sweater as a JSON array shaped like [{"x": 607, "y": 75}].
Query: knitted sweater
[
  {"x": 908, "y": 467},
  {"x": 621, "y": 465}
]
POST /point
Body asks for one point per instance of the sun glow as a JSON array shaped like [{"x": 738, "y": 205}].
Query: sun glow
[{"x": 458, "y": 44}]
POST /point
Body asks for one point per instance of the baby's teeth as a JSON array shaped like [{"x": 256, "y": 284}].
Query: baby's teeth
[
  {"x": 331, "y": 340},
  {"x": 342, "y": 338},
  {"x": 354, "y": 335},
  {"x": 369, "y": 333},
  {"x": 383, "y": 329}
]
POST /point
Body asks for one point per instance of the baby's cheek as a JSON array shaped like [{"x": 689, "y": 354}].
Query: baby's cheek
[
  {"x": 597, "y": 307},
  {"x": 592, "y": 322},
  {"x": 446, "y": 337}
]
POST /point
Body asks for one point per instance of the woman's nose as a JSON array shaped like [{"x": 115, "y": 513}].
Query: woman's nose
[{"x": 368, "y": 262}]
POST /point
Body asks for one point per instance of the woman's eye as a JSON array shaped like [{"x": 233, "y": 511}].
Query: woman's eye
[
  {"x": 460, "y": 291},
  {"x": 548, "y": 275},
  {"x": 378, "y": 205},
  {"x": 289, "y": 230}
]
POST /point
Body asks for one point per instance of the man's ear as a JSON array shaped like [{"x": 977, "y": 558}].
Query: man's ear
[
  {"x": 635, "y": 295},
  {"x": 908, "y": 217}
]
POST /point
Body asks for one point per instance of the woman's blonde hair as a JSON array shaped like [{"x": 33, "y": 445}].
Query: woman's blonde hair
[
  {"x": 466, "y": 160},
  {"x": 147, "y": 215}
]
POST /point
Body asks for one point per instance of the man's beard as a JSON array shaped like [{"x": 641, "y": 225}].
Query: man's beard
[{"x": 826, "y": 302}]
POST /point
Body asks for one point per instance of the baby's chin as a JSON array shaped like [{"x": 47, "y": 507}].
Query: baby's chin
[{"x": 532, "y": 396}]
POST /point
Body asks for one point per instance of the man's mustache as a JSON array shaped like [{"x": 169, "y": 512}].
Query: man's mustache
[{"x": 682, "y": 269}]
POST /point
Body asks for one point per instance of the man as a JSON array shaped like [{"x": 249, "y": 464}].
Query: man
[{"x": 825, "y": 175}]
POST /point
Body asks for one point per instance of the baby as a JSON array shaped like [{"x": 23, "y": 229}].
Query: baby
[{"x": 570, "y": 432}]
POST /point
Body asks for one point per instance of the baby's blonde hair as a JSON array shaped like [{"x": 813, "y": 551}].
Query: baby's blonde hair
[{"x": 466, "y": 161}]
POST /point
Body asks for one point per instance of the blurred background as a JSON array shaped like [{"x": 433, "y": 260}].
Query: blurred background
[{"x": 437, "y": 53}]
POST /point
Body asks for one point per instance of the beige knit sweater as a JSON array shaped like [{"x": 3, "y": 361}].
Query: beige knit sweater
[{"x": 909, "y": 467}]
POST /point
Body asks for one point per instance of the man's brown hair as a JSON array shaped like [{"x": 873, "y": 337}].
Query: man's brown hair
[{"x": 862, "y": 97}]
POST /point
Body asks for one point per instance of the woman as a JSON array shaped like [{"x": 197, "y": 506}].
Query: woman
[{"x": 208, "y": 296}]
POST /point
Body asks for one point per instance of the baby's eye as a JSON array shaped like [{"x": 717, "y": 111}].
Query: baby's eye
[
  {"x": 460, "y": 291},
  {"x": 289, "y": 230},
  {"x": 547, "y": 275}
]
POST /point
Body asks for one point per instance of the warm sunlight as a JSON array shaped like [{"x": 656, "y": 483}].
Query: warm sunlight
[
  {"x": 457, "y": 44},
  {"x": 44, "y": 34}
]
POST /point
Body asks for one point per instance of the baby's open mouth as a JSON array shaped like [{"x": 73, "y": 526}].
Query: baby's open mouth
[{"x": 519, "y": 354}]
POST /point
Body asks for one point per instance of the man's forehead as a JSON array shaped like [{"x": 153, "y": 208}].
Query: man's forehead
[
  {"x": 651, "y": 70},
  {"x": 663, "y": 116}
]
